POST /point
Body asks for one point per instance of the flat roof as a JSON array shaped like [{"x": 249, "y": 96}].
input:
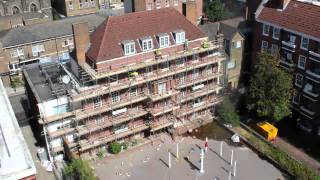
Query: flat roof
[{"x": 15, "y": 158}]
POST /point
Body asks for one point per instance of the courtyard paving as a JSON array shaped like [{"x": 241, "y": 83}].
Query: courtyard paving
[{"x": 150, "y": 162}]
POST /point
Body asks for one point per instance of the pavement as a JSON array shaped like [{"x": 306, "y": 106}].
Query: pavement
[{"x": 151, "y": 162}]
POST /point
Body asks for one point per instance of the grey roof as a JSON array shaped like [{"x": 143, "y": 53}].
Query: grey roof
[
  {"x": 27, "y": 16},
  {"x": 228, "y": 27},
  {"x": 47, "y": 30}
]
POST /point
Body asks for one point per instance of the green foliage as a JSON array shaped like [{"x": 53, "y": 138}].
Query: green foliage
[
  {"x": 227, "y": 112},
  {"x": 134, "y": 142},
  {"x": 125, "y": 145},
  {"x": 79, "y": 169},
  {"x": 101, "y": 153},
  {"x": 299, "y": 170},
  {"x": 16, "y": 81},
  {"x": 270, "y": 90},
  {"x": 215, "y": 10},
  {"x": 115, "y": 147}
]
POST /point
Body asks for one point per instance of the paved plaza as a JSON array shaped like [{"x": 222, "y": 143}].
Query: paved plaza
[{"x": 150, "y": 162}]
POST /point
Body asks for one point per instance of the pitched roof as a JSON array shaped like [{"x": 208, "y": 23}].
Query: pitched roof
[
  {"x": 298, "y": 16},
  {"x": 106, "y": 40},
  {"x": 47, "y": 30}
]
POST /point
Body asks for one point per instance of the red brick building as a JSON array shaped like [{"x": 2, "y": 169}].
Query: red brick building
[
  {"x": 139, "y": 74},
  {"x": 292, "y": 28}
]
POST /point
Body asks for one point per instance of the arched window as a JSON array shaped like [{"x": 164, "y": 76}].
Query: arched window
[
  {"x": 33, "y": 8},
  {"x": 15, "y": 10}
]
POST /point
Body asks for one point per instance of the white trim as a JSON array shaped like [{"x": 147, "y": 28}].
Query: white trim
[
  {"x": 273, "y": 30},
  {"x": 305, "y": 60},
  {"x": 301, "y": 40},
  {"x": 296, "y": 78}
]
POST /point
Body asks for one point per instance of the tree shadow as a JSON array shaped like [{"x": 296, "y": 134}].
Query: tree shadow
[{"x": 219, "y": 156}]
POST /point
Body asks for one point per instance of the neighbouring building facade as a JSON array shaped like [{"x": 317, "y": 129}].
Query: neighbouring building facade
[
  {"x": 15, "y": 13},
  {"x": 192, "y": 9},
  {"x": 234, "y": 40},
  {"x": 46, "y": 42},
  {"x": 80, "y": 7},
  {"x": 291, "y": 29},
  {"x": 126, "y": 81}
]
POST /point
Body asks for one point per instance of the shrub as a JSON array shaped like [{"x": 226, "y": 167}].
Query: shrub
[
  {"x": 79, "y": 169},
  {"x": 125, "y": 145},
  {"x": 101, "y": 153},
  {"x": 115, "y": 147}
]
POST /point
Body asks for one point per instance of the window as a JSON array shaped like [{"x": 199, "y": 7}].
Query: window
[
  {"x": 13, "y": 68},
  {"x": 70, "y": 5},
  {"x": 276, "y": 33},
  {"x": 195, "y": 74},
  {"x": 87, "y": 4},
  {"x": 289, "y": 56},
  {"x": 149, "y": 6},
  {"x": 162, "y": 88},
  {"x": 167, "y": 3},
  {"x": 231, "y": 64},
  {"x": 33, "y": 8},
  {"x": 179, "y": 37},
  {"x": 147, "y": 44},
  {"x": 164, "y": 41},
  {"x": 292, "y": 38},
  {"x": 37, "y": 49},
  {"x": 158, "y": 4},
  {"x": 129, "y": 48},
  {"x": 93, "y": 4},
  {"x": 209, "y": 69},
  {"x": 115, "y": 97},
  {"x": 97, "y": 102},
  {"x": 304, "y": 43},
  {"x": 133, "y": 91},
  {"x": 180, "y": 78},
  {"x": 264, "y": 46},
  {"x": 299, "y": 79},
  {"x": 15, "y": 10},
  {"x": 274, "y": 49},
  {"x": 266, "y": 29},
  {"x": 296, "y": 98},
  {"x": 302, "y": 62},
  {"x": 17, "y": 52},
  {"x": 236, "y": 44},
  {"x": 175, "y": 2},
  {"x": 180, "y": 62},
  {"x": 99, "y": 120},
  {"x": 68, "y": 43},
  {"x": 164, "y": 66},
  {"x": 197, "y": 102}
]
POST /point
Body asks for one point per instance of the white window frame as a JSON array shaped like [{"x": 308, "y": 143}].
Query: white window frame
[
  {"x": 167, "y": 3},
  {"x": 158, "y": 4},
  {"x": 175, "y": 2},
  {"x": 238, "y": 44},
  {"x": 115, "y": 97},
  {"x": 129, "y": 48},
  {"x": 164, "y": 41},
  {"x": 264, "y": 45},
  {"x": 299, "y": 80},
  {"x": 304, "y": 45},
  {"x": 37, "y": 49},
  {"x": 99, "y": 120},
  {"x": 97, "y": 102},
  {"x": 231, "y": 64},
  {"x": 180, "y": 62},
  {"x": 181, "y": 78},
  {"x": 162, "y": 88},
  {"x": 276, "y": 33},
  {"x": 195, "y": 74},
  {"x": 147, "y": 44},
  {"x": 14, "y": 69},
  {"x": 180, "y": 37},
  {"x": 302, "y": 59},
  {"x": 133, "y": 91},
  {"x": 149, "y": 6},
  {"x": 266, "y": 30},
  {"x": 70, "y": 5},
  {"x": 289, "y": 56},
  {"x": 93, "y": 4},
  {"x": 297, "y": 96}
]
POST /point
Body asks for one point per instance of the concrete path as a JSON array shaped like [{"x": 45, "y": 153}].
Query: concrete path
[
  {"x": 298, "y": 154},
  {"x": 151, "y": 162}
]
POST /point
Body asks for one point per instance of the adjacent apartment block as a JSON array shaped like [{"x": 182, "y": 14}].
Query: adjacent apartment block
[
  {"x": 192, "y": 9},
  {"x": 80, "y": 7},
  {"x": 44, "y": 42},
  {"x": 15, "y": 13},
  {"x": 136, "y": 75},
  {"x": 292, "y": 29},
  {"x": 234, "y": 40}
]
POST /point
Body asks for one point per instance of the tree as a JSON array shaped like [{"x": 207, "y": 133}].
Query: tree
[
  {"x": 215, "y": 10},
  {"x": 270, "y": 90},
  {"x": 227, "y": 112},
  {"x": 115, "y": 147},
  {"x": 79, "y": 169}
]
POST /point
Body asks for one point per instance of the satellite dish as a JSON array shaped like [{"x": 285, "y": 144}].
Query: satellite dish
[{"x": 66, "y": 79}]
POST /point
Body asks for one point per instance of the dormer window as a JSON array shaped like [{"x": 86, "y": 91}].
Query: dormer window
[
  {"x": 164, "y": 40},
  {"x": 129, "y": 48},
  {"x": 179, "y": 37},
  {"x": 147, "y": 44}
]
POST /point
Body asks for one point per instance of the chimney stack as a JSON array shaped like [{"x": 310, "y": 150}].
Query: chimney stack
[
  {"x": 284, "y": 3},
  {"x": 191, "y": 12},
  {"x": 81, "y": 40}
]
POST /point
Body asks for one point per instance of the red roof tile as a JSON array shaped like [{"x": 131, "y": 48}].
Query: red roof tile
[
  {"x": 297, "y": 16},
  {"x": 107, "y": 38}
]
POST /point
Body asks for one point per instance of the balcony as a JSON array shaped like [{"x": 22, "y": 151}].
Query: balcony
[
  {"x": 314, "y": 75},
  {"x": 127, "y": 82},
  {"x": 201, "y": 78},
  {"x": 289, "y": 46},
  {"x": 111, "y": 121},
  {"x": 86, "y": 144},
  {"x": 60, "y": 132},
  {"x": 55, "y": 117},
  {"x": 108, "y": 106},
  {"x": 307, "y": 112},
  {"x": 157, "y": 125},
  {"x": 102, "y": 73},
  {"x": 163, "y": 110},
  {"x": 310, "y": 93},
  {"x": 204, "y": 91},
  {"x": 286, "y": 64},
  {"x": 206, "y": 104},
  {"x": 314, "y": 56},
  {"x": 157, "y": 97}
]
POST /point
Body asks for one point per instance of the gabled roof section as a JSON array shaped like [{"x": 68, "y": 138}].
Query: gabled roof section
[
  {"x": 298, "y": 16},
  {"x": 106, "y": 40}
]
